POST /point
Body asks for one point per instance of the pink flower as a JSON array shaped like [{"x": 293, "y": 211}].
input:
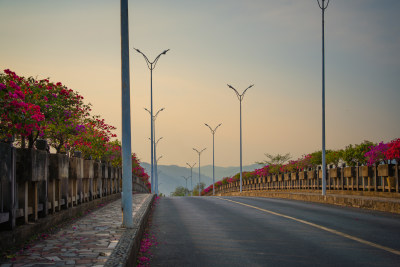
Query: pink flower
[
  {"x": 376, "y": 153},
  {"x": 393, "y": 151},
  {"x": 14, "y": 85}
]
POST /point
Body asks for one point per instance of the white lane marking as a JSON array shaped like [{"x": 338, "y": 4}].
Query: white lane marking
[{"x": 394, "y": 251}]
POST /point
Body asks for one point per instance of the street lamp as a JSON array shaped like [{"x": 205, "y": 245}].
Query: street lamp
[
  {"x": 156, "y": 164},
  {"x": 323, "y": 6},
  {"x": 213, "y": 133},
  {"x": 186, "y": 178},
  {"x": 159, "y": 184},
  {"x": 151, "y": 66},
  {"x": 199, "y": 152},
  {"x": 127, "y": 219},
  {"x": 158, "y": 111},
  {"x": 240, "y": 97},
  {"x": 154, "y": 147},
  {"x": 191, "y": 172}
]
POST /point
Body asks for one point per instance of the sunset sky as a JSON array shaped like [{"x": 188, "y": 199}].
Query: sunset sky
[{"x": 274, "y": 44}]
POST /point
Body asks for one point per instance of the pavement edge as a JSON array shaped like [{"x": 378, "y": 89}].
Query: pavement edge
[{"x": 126, "y": 251}]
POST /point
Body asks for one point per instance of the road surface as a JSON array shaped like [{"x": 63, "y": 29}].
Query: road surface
[{"x": 244, "y": 231}]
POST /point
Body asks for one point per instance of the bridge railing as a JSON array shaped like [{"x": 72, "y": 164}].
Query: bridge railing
[
  {"x": 36, "y": 184},
  {"x": 381, "y": 179}
]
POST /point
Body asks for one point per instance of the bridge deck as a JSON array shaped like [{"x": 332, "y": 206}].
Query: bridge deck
[{"x": 259, "y": 231}]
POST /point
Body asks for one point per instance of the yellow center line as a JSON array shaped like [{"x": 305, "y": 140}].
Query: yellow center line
[{"x": 394, "y": 251}]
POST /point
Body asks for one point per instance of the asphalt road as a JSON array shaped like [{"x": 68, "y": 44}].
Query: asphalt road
[{"x": 243, "y": 231}]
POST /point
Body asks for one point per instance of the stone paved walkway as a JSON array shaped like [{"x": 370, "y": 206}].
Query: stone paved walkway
[{"x": 88, "y": 241}]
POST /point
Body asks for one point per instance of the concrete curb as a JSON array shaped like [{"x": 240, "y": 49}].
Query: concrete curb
[
  {"x": 126, "y": 251},
  {"x": 16, "y": 238},
  {"x": 364, "y": 202}
]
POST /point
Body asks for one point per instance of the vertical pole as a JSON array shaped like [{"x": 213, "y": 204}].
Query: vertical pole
[
  {"x": 14, "y": 190},
  {"x": 213, "y": 166},
  {"x": 199, "y": 174},
  {"x": 151, "y": 130},
  {"x": 240, "y": 144},
  {"x": 127, "y": 219},
  {"x": 155, "y": 159},
  {"x": 191, "y": 179},
  {"x": 323, "y": 104}
]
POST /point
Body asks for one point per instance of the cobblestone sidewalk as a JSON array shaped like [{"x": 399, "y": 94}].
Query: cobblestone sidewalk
[{"x": 88, "y": 241}]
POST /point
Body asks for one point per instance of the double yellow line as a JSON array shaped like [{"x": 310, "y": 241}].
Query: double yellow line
[{"x": 394, "y": 251}]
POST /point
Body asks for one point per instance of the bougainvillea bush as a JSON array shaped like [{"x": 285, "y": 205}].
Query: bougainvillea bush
[
  {"x": 18, "y": 116},
  {"x": 114, "y": 153},
  {"x": 383, "y": 152},
  {"x": 32, "y": 109},
  {"x": 207, "y": 190},
  {"x": 140, "y": 172},
  {"x": 393, "y": 151},
  {"x": 262, "y": 172},
  {"x": 95, "y": 143},
  {"x": 66, "y": 114},
  {"x": 376, "y": 154}
]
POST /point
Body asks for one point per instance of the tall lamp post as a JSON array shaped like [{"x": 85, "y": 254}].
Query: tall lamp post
[
  {"x": 186, "y": 178},
  {"x": 155, "y": 187},
  {"x": 323, "y": 6},
  {"x": 151, "y": 66},
  {"x": 213, "y": 133},
  {"x": 156, "y": 164},
  {"x": 158, "y": 184},
  {"x": 240, "y": 97},
  {"x": 199, "y": 152},
  {"x": 127, "y": 219},
  {"x": 191, "y": 176}
]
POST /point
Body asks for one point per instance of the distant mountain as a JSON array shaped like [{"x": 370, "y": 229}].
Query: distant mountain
[{"x": 170, "y": 176}]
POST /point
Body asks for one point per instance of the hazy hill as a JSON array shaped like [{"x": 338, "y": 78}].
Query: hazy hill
[{"x": 170, "y": 176}]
